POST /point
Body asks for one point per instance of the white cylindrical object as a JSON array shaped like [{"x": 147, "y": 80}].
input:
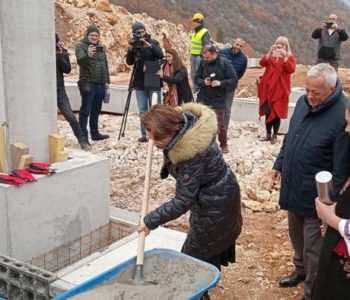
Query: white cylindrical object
[{"x": 324, "y": 185}]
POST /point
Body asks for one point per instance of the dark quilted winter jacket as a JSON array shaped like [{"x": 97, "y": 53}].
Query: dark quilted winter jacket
[
  {"x": 205, "y": 185},
  {"x": 95, "y": 68}
]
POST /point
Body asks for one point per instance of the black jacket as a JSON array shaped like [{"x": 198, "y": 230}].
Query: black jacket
[
  {"x": 184, "y": 91},
  {"x": 62, "y": 66},
  {"x": 205, "y": 185},
  {"x": 153, "y": 53},
  {"x": 224, "y": 71},
  {"x": 316, "y": 141},
  {"x": 331, "y": 281}
]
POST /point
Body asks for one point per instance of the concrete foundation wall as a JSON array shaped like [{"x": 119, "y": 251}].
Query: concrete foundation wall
[
  {"x": 116, "y": 104},
  {"x": 42, "y": 215},
  {"x": 28, "y": 74},
  {"x": 248, "y": 110}
]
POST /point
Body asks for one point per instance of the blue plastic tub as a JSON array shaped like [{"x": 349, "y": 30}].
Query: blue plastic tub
[{"x": 116, "y": 270}]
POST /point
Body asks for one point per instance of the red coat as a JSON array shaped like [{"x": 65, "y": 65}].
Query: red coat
[{"x": 275, "y": 86}]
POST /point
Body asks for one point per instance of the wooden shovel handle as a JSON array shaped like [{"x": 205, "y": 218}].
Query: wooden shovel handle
[{"x": 141, "y": 241}]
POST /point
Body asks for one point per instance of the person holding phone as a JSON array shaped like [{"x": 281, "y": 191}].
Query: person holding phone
[
  {"x": 330, "y": 36},
  {"x": 93, "y": 81},
  {"x": 274, "y": 86}
]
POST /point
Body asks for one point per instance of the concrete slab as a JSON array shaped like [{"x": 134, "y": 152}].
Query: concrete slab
[
  {"x": 115, "y": 254},
  {"x": 42, "y": 215}
]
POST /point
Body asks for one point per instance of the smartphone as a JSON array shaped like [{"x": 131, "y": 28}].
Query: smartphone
[
  {"x": 276, "y": 53},
  {"x": 99, "y": 49}
]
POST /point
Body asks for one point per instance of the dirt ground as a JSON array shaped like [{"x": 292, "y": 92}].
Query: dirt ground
[
  {"x": 263, "y": 256},
  {"x": 264, "y": 253}
]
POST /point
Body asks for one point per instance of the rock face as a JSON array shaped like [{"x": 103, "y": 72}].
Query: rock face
[
  {"x": 128, "y": 159},
  {"x": 114, "y": 22}
]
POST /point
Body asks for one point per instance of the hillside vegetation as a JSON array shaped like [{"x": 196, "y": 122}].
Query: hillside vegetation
[{"x": 259, "y": 21}]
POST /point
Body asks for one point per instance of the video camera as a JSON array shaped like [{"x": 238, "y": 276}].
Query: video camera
[{"x": 136, "y": 39}]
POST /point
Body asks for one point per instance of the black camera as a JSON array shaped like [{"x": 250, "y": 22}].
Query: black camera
[
  {"x": 99, "y": 48},
  {"x": 329, "y": 25},
  {"x": 136, "y": 39},
  {"x": 212, "y": 76}
]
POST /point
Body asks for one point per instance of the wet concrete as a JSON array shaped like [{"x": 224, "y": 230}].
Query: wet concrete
[{"x": 177, "y": 278}]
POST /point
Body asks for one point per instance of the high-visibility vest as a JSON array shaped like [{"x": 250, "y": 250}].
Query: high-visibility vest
[{"x": 196, "y": 41}]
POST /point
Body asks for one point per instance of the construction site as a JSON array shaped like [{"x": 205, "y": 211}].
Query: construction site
[{"x": 74, "y": 226}]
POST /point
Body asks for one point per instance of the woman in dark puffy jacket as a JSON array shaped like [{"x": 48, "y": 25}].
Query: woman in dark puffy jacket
[
  {"x": 205, "y": 184},
  {"x": 175, "y": 80}
]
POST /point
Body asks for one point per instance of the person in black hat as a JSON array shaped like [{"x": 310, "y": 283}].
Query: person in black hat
[
  {"x": 143, "y": 47},
  {"x": 93, "y": 81},
  {"x": 63, "y": 66}
]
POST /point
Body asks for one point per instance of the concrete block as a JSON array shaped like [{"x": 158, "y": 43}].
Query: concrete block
[
  {"x": 116, "y": 103},
  {"x": 253, "y": 62},
  {"x": 42, "y": 215},
  {"x": 295, "y": 94},
  {"x": 19, "y": 280},
  {"x": 248, "y": 110}
]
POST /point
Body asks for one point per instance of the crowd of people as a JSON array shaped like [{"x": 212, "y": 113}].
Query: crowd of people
[{"x": 188, "y": 122}]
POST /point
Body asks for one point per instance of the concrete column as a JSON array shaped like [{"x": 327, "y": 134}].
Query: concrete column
[{"x": 27, "y": 74}]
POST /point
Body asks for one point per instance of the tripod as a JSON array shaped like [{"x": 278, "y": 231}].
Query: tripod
[{"x": 127, "y": 103}]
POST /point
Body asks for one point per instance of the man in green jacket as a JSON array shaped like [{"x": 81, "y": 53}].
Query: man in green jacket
[{"x": 93, "y": 81}]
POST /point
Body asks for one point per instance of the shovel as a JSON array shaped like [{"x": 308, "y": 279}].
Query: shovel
[{"x": 138, "y": 276}]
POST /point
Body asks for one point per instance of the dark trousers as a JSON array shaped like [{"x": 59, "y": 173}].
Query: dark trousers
[
  {"x": 220, "y": 114},
  {"x": 275, "y": 124},
  {"x": 65, "y": 108},
  {"x": 228, "y": 106},
  {"x": 91, "y": 107},
  {"x": 305, "y": 235}
]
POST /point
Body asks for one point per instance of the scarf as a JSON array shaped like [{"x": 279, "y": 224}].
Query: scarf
[{"x": 171, "y": 97}]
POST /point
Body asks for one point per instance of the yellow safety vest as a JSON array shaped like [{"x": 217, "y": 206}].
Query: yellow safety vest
[{"x": 196, "y": 41}]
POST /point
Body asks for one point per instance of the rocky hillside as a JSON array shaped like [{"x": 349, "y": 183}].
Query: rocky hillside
[
  {"x": 259, "y": 21},
  {"x": 114, "y": 22}
]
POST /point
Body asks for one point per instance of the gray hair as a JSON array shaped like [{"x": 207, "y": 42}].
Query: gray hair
[{"x": 325, "y": 70}]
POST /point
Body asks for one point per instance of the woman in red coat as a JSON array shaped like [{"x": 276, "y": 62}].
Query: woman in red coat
[{"x": 275, "y": 86}]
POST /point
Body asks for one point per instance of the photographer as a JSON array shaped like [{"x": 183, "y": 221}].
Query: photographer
[
  {"x": 93, "y": 81},
  {"x": 63, "y": 66},
  {"x": 142, "y": 48},
  {"x": 330, "y": 37},
  {"x": 274, "y": 86},
  {"x": 215, "y": 77}
]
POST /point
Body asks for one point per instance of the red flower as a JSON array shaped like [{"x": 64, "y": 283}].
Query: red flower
[{"x": 341, "y": 249}]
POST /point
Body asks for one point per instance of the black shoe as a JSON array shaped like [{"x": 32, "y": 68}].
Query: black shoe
[
  {"x": 142, "y": 139},
  {"x": 292, "y": 280},
  {"x": 100, "y": 137},
  {"x": 84, "y": 144}
]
